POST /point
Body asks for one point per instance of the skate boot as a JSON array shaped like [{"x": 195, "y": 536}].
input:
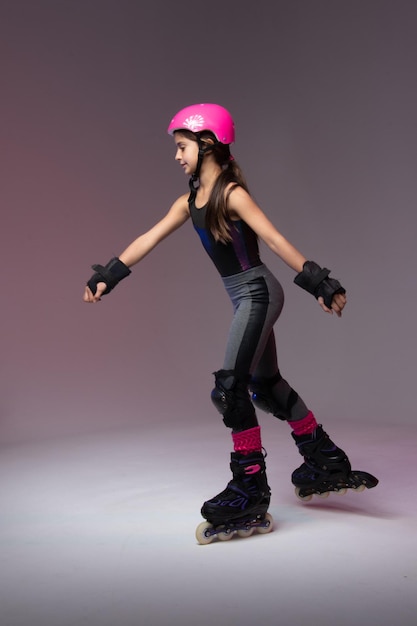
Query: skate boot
[
  {"x": 242, "y": 506},
  {"x": 326, "y": 468}
]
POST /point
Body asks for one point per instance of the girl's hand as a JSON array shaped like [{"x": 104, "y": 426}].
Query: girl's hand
[
  {"x": 338, "y": 303},
  {"x": 89, "y": 296}
]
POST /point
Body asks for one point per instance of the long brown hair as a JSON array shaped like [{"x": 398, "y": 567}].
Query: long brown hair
[{"x": 217, "y": 217}]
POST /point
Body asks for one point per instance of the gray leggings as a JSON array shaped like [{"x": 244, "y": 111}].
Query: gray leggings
[{"x": 257, "y": 299}]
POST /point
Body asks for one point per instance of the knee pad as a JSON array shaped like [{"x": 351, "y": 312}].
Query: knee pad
[
  {"x": 231, "y": 398},
  {"x": 279, "y": 403}
]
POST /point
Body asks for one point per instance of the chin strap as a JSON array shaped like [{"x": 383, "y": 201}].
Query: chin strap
[
  {"x": 193, "y": 184},
  {"x": 194, "y": 181}
]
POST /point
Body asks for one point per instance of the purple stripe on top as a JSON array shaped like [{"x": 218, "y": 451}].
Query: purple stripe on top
[{"x": 246, "y": 254}]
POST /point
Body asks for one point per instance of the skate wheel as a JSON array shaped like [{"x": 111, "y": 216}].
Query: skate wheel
[
  {"x": 341, "y": 492},
  {"x": 202, "y": 535},
  {"x": 245, "y": 532},
  {"x": 303, "y": 498},
  {"x": 360, "y": 488},
  {"x": 225, "y": 535},
  {"x": 269, "y": 524},
  {"x": 325, "y": 494}
]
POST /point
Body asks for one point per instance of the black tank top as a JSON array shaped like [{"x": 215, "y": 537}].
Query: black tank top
[{"x": 238, "y": 255}]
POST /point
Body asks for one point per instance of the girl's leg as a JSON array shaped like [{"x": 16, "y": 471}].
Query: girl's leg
[
  {"x": 272, "y": 393},
  {"x": 326, "y": 467},
  {"x": 257, "y": 301},
  {"x": 257, "y": 304}
]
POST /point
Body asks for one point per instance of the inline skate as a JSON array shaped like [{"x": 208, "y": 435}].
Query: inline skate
[
  {"x": 242, "y": 506},
  {"x": 326, "y": 468}
]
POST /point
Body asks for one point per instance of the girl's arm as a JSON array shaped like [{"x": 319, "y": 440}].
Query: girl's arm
[
  {"x": 140, "y": 247},
  {"x": 137, "y": 250},
  {"x": 242, "y": 206}
]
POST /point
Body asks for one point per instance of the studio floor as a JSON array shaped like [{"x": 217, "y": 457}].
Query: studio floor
[{"x": 98, "y": 529}]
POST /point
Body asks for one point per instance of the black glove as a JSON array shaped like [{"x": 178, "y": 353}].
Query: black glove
[
  {"x": 315, "y": 280},
  {"x": 111, "y": 274}
]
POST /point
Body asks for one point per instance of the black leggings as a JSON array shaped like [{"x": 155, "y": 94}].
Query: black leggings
[{"x": 257, "y": 299}]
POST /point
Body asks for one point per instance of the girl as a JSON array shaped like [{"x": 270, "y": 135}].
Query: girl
[{"x": 229, "y": 222}]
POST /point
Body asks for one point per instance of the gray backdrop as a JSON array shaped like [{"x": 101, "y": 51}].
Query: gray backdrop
[{"x": 324, "y": 97}]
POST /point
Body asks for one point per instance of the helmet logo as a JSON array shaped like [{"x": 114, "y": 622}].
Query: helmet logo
[{"x": 194, "y": 123}]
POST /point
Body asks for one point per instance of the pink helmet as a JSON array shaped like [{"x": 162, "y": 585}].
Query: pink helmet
[{"x": 199, "y": 117}]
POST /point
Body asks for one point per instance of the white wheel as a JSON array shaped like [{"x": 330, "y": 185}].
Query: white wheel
[
  {"x": 245, "y": 532},
  {"x": 270, "y": 524},
  {"x": 224, "y": 535},
  {"x": 325, "y": 494},
  {"x": 341, "y": 492},
  {"x": 303, "y": 498},
  {"x": 201, "y": 534},
  {"x": 360, "y": 488}
]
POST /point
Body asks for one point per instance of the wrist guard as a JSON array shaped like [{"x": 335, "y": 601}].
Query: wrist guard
[
  {"x": 111, "y": 274},
  {"x": 316, "y": 281}
]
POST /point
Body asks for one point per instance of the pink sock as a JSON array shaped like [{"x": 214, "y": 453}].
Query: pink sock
[
  {"x": 248, "y": 441},
  {"x": 305, "y": 426}
]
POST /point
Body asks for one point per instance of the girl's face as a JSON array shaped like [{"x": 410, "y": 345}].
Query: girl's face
[{"x": 187, "y": 153}]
